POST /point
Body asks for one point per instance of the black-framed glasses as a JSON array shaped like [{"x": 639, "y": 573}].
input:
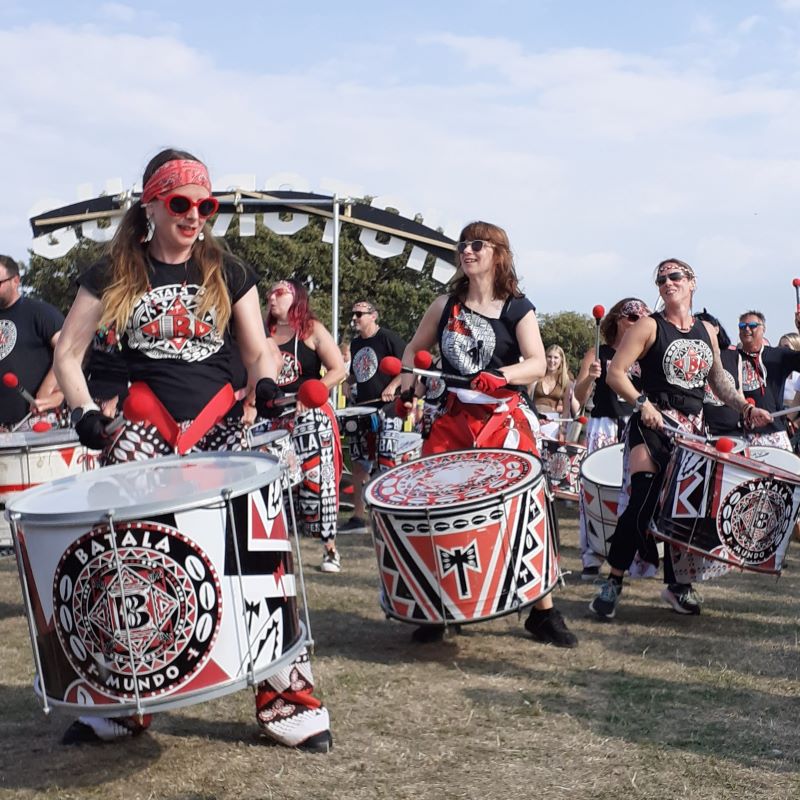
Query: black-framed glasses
[
  {"x": 9, "y": 278},
  {"x": 359, "y": 314},
  {"x": 675, "y": 277},
  {"x": 751, "y": 325},
  {"x": 475, "y": 244}
]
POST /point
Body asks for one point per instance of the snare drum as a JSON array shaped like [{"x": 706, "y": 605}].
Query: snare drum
[
  {"x": 29, "y": 459},
  {"x": 601, "y": 483},
  {"x": 153, "y": 585},
  {"x": 727, "y": 508},
  {"x": 357, "y": 419},
  {"x": 409, "y": 447},
  {"x": 279, "y": 444},
  {"x": 562, "y": 463},
  {"x": 462, "y": 536}
]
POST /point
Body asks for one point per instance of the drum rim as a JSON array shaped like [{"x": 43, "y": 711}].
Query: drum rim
[
  {"x": 354, "y": 411},
  {"x": 739, "y": 460},
  {"x": 282, "y": 433},
  {"x": 406, "y": 510},
  {"x": 147, "y": 509},
  {"x": 171, "y": 701},
  {"x": 63, "y": 437},
  {"x": 577, "y": 447}
]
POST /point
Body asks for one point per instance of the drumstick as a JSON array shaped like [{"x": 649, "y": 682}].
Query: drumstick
[
  {"x": 598, "y": 312},
  {"x": 10, "y": 381},
  {"x": 785, "y": 411},
  {"x": 796, "y": 284},
  {"x": 393, "y": 366},
  {"x": 724, "y": 444},
  {"x": 313, "y": 394}
]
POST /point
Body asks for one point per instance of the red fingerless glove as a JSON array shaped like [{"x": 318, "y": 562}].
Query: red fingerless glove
[{"x": 488, "y": 381}]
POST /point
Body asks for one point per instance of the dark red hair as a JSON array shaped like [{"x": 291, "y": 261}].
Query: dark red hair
[{"x": 300, "y": 317}]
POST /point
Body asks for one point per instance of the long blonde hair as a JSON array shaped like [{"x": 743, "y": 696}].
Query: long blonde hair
[
  {"x": 130, "y": 270},
  {"x": 563, "y": 380}
]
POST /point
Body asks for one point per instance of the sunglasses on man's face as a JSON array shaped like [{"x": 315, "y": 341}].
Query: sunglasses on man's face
[
  {"x": 751, "y": 325},
  {"x": 476, "y": 245},
  {"x": 360, "y": 314},
  {"x": 675, "y": 277},
  {"x": 179, "y": 204}
]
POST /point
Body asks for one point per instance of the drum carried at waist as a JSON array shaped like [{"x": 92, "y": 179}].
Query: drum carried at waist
[
  {"x": 277, "y": 442},
  {"x": 158, "y": 584},
  {"x": 728, "y": 508},
  {"x": 357, "y": 419},
  {"x": 29, "y": 459},
  {"x": 562, "y": 464},
  {"x": 462, "y": 536}
]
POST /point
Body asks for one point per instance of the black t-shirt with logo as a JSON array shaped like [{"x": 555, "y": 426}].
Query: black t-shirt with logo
[
  {"x": 365, "y": 358},
  {"x": 26, "y": 329},
  {"x": 183, "y": 358},
  {"x": 763, "y": 377},
  {"x": 720, "y": 419}
]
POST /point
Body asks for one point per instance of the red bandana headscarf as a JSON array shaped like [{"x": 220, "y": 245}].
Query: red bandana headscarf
[{"x": 180, "y": 172}]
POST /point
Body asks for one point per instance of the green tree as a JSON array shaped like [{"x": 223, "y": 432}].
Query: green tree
[{"x": 573, "y": 332}]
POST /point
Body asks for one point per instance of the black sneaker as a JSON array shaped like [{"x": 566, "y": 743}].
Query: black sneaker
[
  {"x": 353, "y": 525},
  {"x": 548, "y": 627},
  {"x": 682, "y": 597},
  {"x": 605, "y": 604},
  {"x": 590, "y": 573}
]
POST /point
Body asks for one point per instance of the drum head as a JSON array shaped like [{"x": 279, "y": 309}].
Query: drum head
[
  {"x": 26, "y": 440},
  {"x": 145, "y": 488},
  {"x": 775, "y": 457},
  {"x": 451, "y": 480},
  {"x": 604, "y": 467},
  {"x": 354, "y": 411},
  {"x": 408, "y": 441},
  {"x": 262, "y": 438}
]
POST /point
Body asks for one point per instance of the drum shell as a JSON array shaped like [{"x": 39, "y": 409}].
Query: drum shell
[
  {"x": 601, "y": 483},
  {"x": 30, "y": 459},
  {"x": 357, "y": 419},
  {"x": 727, "y": 507},
  {"x": 409, "y": 447},
  {"x": 467, "y": 561},
  {"x": 196, "y": 610},
  {"x": 562, "y": 462}
]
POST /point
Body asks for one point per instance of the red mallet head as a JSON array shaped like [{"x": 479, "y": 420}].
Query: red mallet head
[
  {"x": 10, "y": 380},
  {"x": 598, "y": 312},
  {"x": 796, "y": 283},
  {"x": 583, "y": 420},
  {"x": 750, "y": 401},
  {"x": 423, "y": 359},
  {"x": 41, "y": 426},
  {"x": 313, "y": 394},
  {"x": 391, "y": 366},
  {"x": 724, "y": 444}
]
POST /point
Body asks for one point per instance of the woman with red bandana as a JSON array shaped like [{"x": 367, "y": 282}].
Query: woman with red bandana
[
  {"x": 177, "y": 299},
  {"x": 486, "y": 330},
  {"x": 308, "y": 350}
]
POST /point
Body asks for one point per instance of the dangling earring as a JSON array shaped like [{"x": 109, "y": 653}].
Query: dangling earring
[
  {"x": 202, "y": 236},
  {"x": 151, "y": 229}
]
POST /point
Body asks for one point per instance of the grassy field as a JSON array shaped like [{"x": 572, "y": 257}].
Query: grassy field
[{"x": 651, "y": 705}]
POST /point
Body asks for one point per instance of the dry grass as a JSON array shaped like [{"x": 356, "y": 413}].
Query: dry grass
[{"x": 652, "y": 705}]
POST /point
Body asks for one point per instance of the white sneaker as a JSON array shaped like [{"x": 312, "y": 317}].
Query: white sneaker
[{"x": 330, "y": 561}]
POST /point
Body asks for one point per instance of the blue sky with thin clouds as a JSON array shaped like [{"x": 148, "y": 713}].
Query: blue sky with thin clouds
[{"x": 603, "y": 136}]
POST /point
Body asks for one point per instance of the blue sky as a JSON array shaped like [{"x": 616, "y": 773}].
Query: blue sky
[{"x": 603, "y": 136}]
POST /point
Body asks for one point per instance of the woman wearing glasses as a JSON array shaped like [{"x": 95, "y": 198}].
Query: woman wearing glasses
[
  {"x": 308, "y": 350},
  {"x": 486, "y": 329},
  {"x": 676, "y": 353},
  {"x": 177, "y": 300},
  {"x": 610, "y": 413}
]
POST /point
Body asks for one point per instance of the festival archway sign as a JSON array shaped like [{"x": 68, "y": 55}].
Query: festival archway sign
[{"x": 284, "y": 212}]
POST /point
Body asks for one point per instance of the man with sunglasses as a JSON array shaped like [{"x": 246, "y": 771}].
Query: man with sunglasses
[
  {"x": 764, "y": 372},
  {"x": 368, "y": 386},
  {"x": 29, "y": 330}
]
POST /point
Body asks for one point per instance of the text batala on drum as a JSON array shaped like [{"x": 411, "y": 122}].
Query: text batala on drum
[
  {"x": 224, "y": 592},
  {"x": 499, "y": 546}
]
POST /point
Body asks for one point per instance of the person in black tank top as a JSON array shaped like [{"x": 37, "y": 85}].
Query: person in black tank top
[
  {"x": 610, "y": 413},
  {"x": 676, "y": 353},
  {"x": 307, "y": 347},
  {"x": 486, "y": 331}
]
